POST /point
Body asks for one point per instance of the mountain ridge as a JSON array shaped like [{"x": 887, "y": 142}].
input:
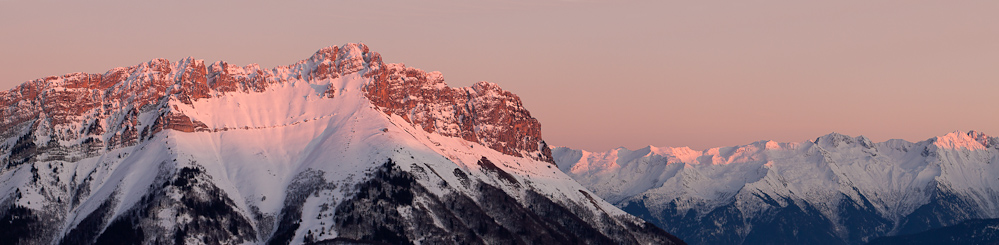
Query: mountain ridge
[
  {"x": 186, "y": 152},
  {"x": 853, "y": 188}
]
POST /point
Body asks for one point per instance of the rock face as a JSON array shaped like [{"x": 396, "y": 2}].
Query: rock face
[
  {"x": 106, "y": 106},
  {"x": 483, "y": 113},
  {"x": 337, "y": 148},
  {"x": 836, "y": 189}
]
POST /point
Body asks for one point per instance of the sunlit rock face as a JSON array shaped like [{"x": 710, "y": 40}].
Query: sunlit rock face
[
  {"x": 483, "y": 113},
  {"x": 336, "y": 148},
  {"x": 835, "y": 189}
]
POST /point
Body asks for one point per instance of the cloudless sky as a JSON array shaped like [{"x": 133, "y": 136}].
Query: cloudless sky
[{"x": 597, "y": 74}]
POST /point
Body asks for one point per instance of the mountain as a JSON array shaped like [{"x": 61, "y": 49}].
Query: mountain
[
  {"x": 836, "y": 189},
  {"x": 337, "y": 148},
  {"x": 977, "y": 231}
]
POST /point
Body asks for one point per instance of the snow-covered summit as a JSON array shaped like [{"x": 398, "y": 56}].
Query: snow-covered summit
[
  {"x": 71, "y": 99},
  {"x": 972, "y": 140},
  {"x": 339, "y": 147}
]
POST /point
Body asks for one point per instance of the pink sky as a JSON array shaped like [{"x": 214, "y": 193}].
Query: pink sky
[{"x": 597, "y": 74}]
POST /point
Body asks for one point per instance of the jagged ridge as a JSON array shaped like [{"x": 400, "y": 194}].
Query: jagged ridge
[
  {"x": 77, "y": 106},
  {"x": 187, "y": 153},
  {"x": 835, "y": 189}
]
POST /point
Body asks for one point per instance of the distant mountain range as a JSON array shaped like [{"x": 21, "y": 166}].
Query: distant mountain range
[
  {"x": 337, "y": 148},
  {"x": 835, "y": 189}
]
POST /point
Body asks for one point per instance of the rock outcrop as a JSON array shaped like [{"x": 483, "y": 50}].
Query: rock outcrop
[{"x": 483, "y": 113}]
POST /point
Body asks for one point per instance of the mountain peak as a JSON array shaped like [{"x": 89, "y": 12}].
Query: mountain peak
[
  {"x": 971, "y": 140},
  {"x": 336, "y": 147},
  {"x": 836, "y": 139},
  {"x": 833, "y": 139},
  {"x": 113, "y": 101}
]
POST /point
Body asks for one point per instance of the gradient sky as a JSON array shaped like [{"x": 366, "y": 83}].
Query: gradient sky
[{"x": 597, "y": 74}]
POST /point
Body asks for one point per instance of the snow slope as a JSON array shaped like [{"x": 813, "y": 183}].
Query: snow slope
[
  {"x": 187, "y": 153},
  {"x": 836, "y": 189}
]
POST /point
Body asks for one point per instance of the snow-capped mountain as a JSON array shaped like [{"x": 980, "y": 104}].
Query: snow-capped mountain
[
  {"x": 833, "y": 190},
  {"x": 337, "y": 148}
]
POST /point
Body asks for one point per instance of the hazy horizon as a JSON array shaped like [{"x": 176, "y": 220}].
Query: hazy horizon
[{"x": 597, "y": 74}]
